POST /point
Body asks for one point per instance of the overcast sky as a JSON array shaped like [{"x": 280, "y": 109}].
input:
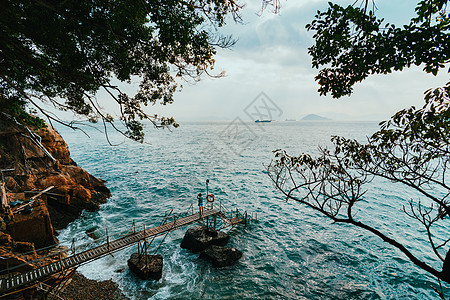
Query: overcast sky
[{"x": 271, "y": 57}]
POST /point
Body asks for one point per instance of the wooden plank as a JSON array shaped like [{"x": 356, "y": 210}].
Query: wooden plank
[
  {"x": 43, "y": 271},
  {"x": 101, "y": 250},
  {"x": 69, "y": 262},
  {"x": 40, "y": 193}
]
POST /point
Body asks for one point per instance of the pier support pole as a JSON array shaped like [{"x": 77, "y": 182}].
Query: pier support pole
[{"x": 107, "y": 240}]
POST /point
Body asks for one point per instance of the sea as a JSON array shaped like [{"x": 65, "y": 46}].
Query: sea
[{"x": 289, "y": 251}]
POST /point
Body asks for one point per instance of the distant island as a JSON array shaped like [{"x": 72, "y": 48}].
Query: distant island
[{"x": 313, "y": 117}]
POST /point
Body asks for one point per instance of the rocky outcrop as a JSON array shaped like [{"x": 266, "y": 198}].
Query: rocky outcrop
[
  {"x": 221, "y": 256},
  {"x": 146, "y": 266},
  {"x": 37, "y": 159},
  {"x": 40, "y": 159},
  {"x": 34, "y": 227},
  {"x": 199, "y": 238},
  {"x": 210, "y": 243}
]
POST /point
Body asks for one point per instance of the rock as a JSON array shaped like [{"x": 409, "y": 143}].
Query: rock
[
  {"x": 81, "y": 288},
  {"x": 11, "y": 184},
  {"x": 2, "y": 224},
  {"x": 74, "y": 187},
  {"x": 93, "y": 233},
  {"x": 29, "y": 183},
  {"x": 199, "y": 238},
  {"x": 146, "y": 266},
  {"x": 23, "y": 247},
  {"x": 5, "y": 239},
  {"x": 18, "y": 197},
  {"x": 221, "y": 256},
  {"x": 55, "y": 180},
  {"x": 81, "y": 196},
  {"x": 9, "y": 260},
  {"x": 33, "y": 171},
  {"x": 56, "y": 145},
  {"x": 35, "y": 227}
]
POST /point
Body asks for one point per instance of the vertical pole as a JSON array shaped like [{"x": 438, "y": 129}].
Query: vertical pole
[
  {"x": 60, "y": 262},
  {"x": 134, "y": 227},
  {"x": 215, "y": 222},
  {"x": 145, "y": 245},
  {"x": 107, "y": 239}
]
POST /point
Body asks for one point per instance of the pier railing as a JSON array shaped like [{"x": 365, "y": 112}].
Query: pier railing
[{"x": 59, "y": 259}]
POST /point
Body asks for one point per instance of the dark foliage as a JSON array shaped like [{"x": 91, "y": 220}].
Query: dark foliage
[{"x": 63, "y": 52}]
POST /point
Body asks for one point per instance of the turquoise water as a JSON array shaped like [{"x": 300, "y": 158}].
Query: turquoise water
[{"x": 289, "y": 253}]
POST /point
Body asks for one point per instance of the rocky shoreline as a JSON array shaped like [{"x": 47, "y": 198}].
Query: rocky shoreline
[
  {"x": 42, "y": 190},
  {"x": 81, "y": 288}
]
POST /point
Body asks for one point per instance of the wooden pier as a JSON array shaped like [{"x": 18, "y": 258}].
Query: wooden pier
[{"x": 16, "y": 281}]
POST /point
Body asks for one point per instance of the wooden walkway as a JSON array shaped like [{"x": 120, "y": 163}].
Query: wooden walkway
[{"x": 27, "y": 278}]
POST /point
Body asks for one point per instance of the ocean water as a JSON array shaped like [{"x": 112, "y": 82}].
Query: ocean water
[{"x": 290, "y": 252}]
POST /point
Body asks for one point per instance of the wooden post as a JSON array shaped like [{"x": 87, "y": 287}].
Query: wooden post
[
  {"x": 60, "y": 262},
  {"x": 145, "y": 245},
  {"x": 215, "y": 222},
  {"x": 73, "y": 246}
]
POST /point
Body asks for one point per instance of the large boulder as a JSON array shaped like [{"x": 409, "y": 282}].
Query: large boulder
[
  {"x": 221, "y": 256},
  {"x": 146, "y": 266},
  {"x": 34, "y": 227},
  {"x": 199, "y": 238}
]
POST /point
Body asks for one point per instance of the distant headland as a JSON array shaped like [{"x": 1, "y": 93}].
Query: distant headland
[{"x": 313, "y": 117}]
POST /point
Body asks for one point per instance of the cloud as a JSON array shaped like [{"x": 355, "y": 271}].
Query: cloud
[{"x": 271, "y": 56}]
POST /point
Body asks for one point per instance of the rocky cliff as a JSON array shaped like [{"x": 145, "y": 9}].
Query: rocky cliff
[{"x": 31, "y": 161}]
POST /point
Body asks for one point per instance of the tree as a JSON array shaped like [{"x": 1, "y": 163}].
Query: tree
[
  {"x": 411, "y": 149},
  {"x": 64, "y": 52}
]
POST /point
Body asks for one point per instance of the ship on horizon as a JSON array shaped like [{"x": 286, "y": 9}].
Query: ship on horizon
[{"x": 263, "y": 121}]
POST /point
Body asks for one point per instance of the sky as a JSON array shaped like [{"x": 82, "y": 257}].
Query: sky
[{"x": 271, "y": 57}]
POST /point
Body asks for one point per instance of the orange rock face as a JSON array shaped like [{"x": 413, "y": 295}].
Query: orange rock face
[
  {"x": 55, "y": 144},
  {"x": 40, "y": 159},
  {"x": 34, "y": 227}
]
